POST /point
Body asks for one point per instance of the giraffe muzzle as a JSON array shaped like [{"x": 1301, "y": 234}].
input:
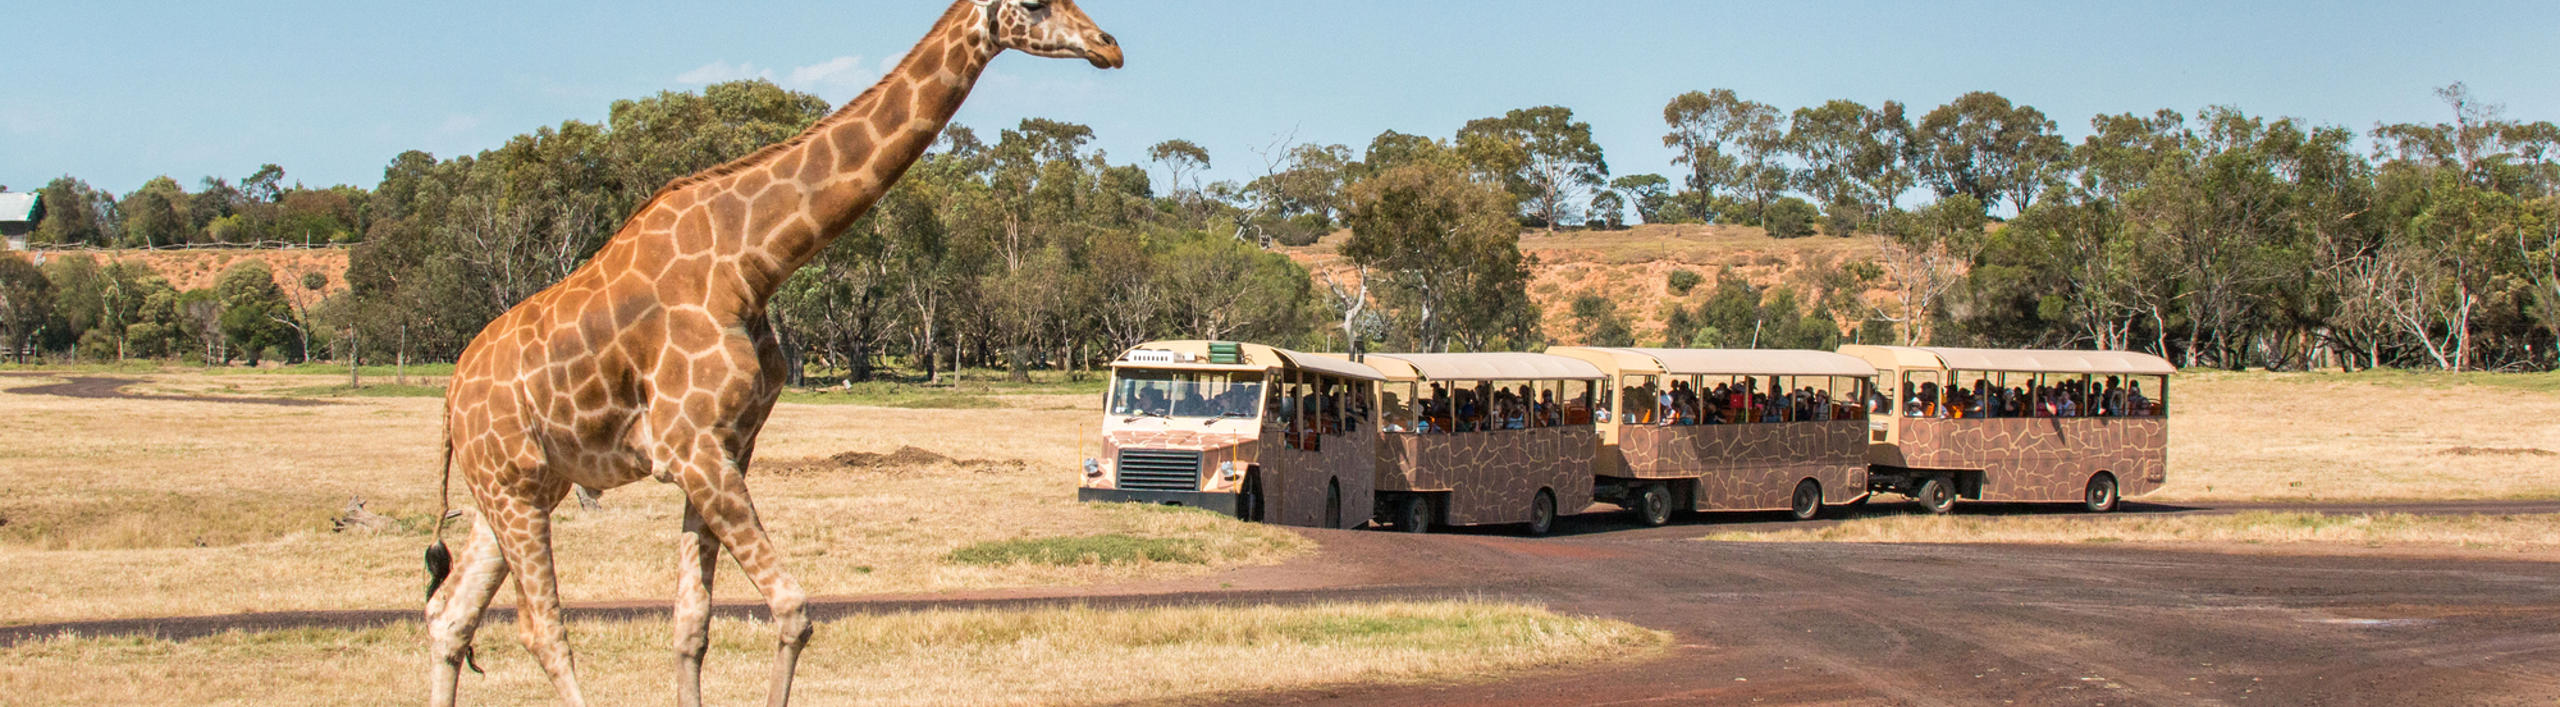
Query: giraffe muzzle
[{"x": 1104, "y": 51}]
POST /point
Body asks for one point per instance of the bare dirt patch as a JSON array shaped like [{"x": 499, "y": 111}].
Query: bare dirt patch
[
  {"x": 906, "y": 460},
  {"x": 99, "y": 388}
]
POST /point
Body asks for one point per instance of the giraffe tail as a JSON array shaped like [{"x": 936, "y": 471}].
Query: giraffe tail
[{"x": 440, "y": 559}]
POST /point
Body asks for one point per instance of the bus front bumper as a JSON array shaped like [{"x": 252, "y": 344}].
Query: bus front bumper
[{"x": 1219, "y": 502}]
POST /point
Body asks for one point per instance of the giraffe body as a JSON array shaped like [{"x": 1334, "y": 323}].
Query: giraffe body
[{"x": 655, "y": 359}]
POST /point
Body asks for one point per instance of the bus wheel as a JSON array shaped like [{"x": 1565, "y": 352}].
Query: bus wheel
[
  {"x": 1249, "y": 499},
  {"x": 1936, "y": 495},
  {"x": 2102, "y": 493},
  {"x": 1808, "y": 501},
  {"x": 1333, "y": 504},
  {"x": 1653, "y": 505},
  {"x": 1542, "y": 513},
  {"x": 1414, "y": 515}
]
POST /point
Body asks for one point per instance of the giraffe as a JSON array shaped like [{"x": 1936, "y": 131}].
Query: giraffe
[{"x": 655, "y": 360}]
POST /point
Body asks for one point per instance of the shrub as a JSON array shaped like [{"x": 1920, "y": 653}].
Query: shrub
[
  {"x": 1791, "y": 218},
  {"x": 1683, "y": 280}
]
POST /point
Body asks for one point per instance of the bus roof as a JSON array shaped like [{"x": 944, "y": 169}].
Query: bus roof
[
  {"x": 2028, "y": 361},
  {"x": 1481, "y": 366},
  {"x": 1748, "y": 362},
  {"x": 1257, "y": 357}
]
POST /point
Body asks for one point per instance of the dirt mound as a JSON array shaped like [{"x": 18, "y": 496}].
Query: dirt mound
[
  {"x": 905, "y": 459},
  {"x": 2500, "y": 452}
]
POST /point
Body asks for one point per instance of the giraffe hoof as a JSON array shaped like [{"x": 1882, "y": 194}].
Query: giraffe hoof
[{"x": 471, "y": 659}]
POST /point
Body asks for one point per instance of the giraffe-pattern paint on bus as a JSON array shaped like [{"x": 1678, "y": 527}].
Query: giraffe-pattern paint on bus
[
  {"x": 2038, "y": 459},
  {"x": 1750, "y": 467},
  {"x": 1492, "y": 477}
]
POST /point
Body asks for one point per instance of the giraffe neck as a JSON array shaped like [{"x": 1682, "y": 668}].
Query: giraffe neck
[{"x": 848, "y": 160}]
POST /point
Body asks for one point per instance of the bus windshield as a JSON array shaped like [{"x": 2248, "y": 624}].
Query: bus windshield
[{"x": 1186, "y": 394}]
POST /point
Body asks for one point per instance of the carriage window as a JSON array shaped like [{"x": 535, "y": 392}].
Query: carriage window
[
  {"x": 1575, "y": 398},
  {"x": 1544, "y": 411},
  {"x": 1438, "y": 410},
  {"x": 1362, "y": 395},
  {"x": 1396, "y": 413},
  {"x": 1637, "y": 400},
  {"x": 2147, "y": 396},
  {"x": 1921, "y": 396}
]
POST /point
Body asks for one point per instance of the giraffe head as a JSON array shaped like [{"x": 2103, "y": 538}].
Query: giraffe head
[{"x": 1052, "y": 28}]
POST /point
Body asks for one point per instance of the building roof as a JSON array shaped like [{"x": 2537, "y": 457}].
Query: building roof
[
  {"x": 1745, "y": 362},
  {"x": 18, "y": 207},
  {"x": 2031, "y": 361},
  {"x": 1481, "y": 366}
]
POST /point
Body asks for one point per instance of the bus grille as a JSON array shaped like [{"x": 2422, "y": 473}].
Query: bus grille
[{"x": 1159, "y": 470}]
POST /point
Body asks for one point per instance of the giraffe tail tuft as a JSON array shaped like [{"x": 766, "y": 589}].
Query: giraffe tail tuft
[
  {"x": 440, "y": 559},
  {"x": 439, "y": 564}
]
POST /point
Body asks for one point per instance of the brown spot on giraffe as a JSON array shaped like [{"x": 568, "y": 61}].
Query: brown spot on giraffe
[{"x": 682, "y": 358}]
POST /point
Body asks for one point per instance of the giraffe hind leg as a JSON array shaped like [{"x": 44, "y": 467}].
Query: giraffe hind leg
[
  {"x": 718, "y": 488},
  {"x": 697, "y": 554},
  {"x": 454, "y": 611},
  {"x": 538, "y": 621}
]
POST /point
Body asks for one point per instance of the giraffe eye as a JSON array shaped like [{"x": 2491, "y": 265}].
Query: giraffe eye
[{"x": 1034, "y": 5}]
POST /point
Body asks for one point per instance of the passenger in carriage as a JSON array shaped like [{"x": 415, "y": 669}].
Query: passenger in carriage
[
  {"x": 1549, "y": 415},
  {"x": 1912, "y": 404},
  {"x": 2134, "y": 401},
  {"x": 2111, "y": 402}
]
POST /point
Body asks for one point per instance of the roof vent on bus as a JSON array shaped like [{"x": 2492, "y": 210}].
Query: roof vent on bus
[
  {"x": 1156, "y": 356},
  {"x": 1226, "y": 353}
]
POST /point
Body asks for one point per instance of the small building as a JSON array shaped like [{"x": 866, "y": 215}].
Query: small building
[{"x": 19, "y": 213}]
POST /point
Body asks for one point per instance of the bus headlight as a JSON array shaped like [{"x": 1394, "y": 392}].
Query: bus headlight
[
  {"x": 1227, "y": 471},
  {"x": 1092, "y": 468}
]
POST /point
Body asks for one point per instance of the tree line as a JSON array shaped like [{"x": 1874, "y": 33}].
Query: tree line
[{"x": 2217, "y": 239}]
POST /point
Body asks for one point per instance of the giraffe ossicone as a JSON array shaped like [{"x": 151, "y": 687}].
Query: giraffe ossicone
[{"x": 655, "y": 359}]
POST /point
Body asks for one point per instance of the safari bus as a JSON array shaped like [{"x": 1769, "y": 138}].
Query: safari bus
[
  {"x": 1729, "y": 430},
  {"x": 1484, "y": 438},
  {"x": 2010, "y": 425},
  {"x": 1263, "y": 433}
]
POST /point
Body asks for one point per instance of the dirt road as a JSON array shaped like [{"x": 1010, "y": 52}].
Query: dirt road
[{"x": 1879, "y": 624}]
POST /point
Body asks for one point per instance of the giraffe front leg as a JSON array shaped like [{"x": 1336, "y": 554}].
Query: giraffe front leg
[
  {"x": 527, "y": 544},
  {"x": 715, "y": 486},
  {"x": 697, "y": 552},
  {"x": 453, "y": 614}
]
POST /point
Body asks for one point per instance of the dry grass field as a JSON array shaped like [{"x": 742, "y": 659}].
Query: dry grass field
[
  {"x": 125, "y": 508},
  {"x": 2364, "y": 436},
  {"x": 928, "y": 658}
]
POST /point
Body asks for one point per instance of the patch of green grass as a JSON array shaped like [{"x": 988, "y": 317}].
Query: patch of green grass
[
  {"x": 372, "y": 390},
  {"x": 1110, "y": 549}
]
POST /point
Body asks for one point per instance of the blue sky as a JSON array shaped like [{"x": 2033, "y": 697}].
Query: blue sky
[{"x": 116, "y": 91}]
